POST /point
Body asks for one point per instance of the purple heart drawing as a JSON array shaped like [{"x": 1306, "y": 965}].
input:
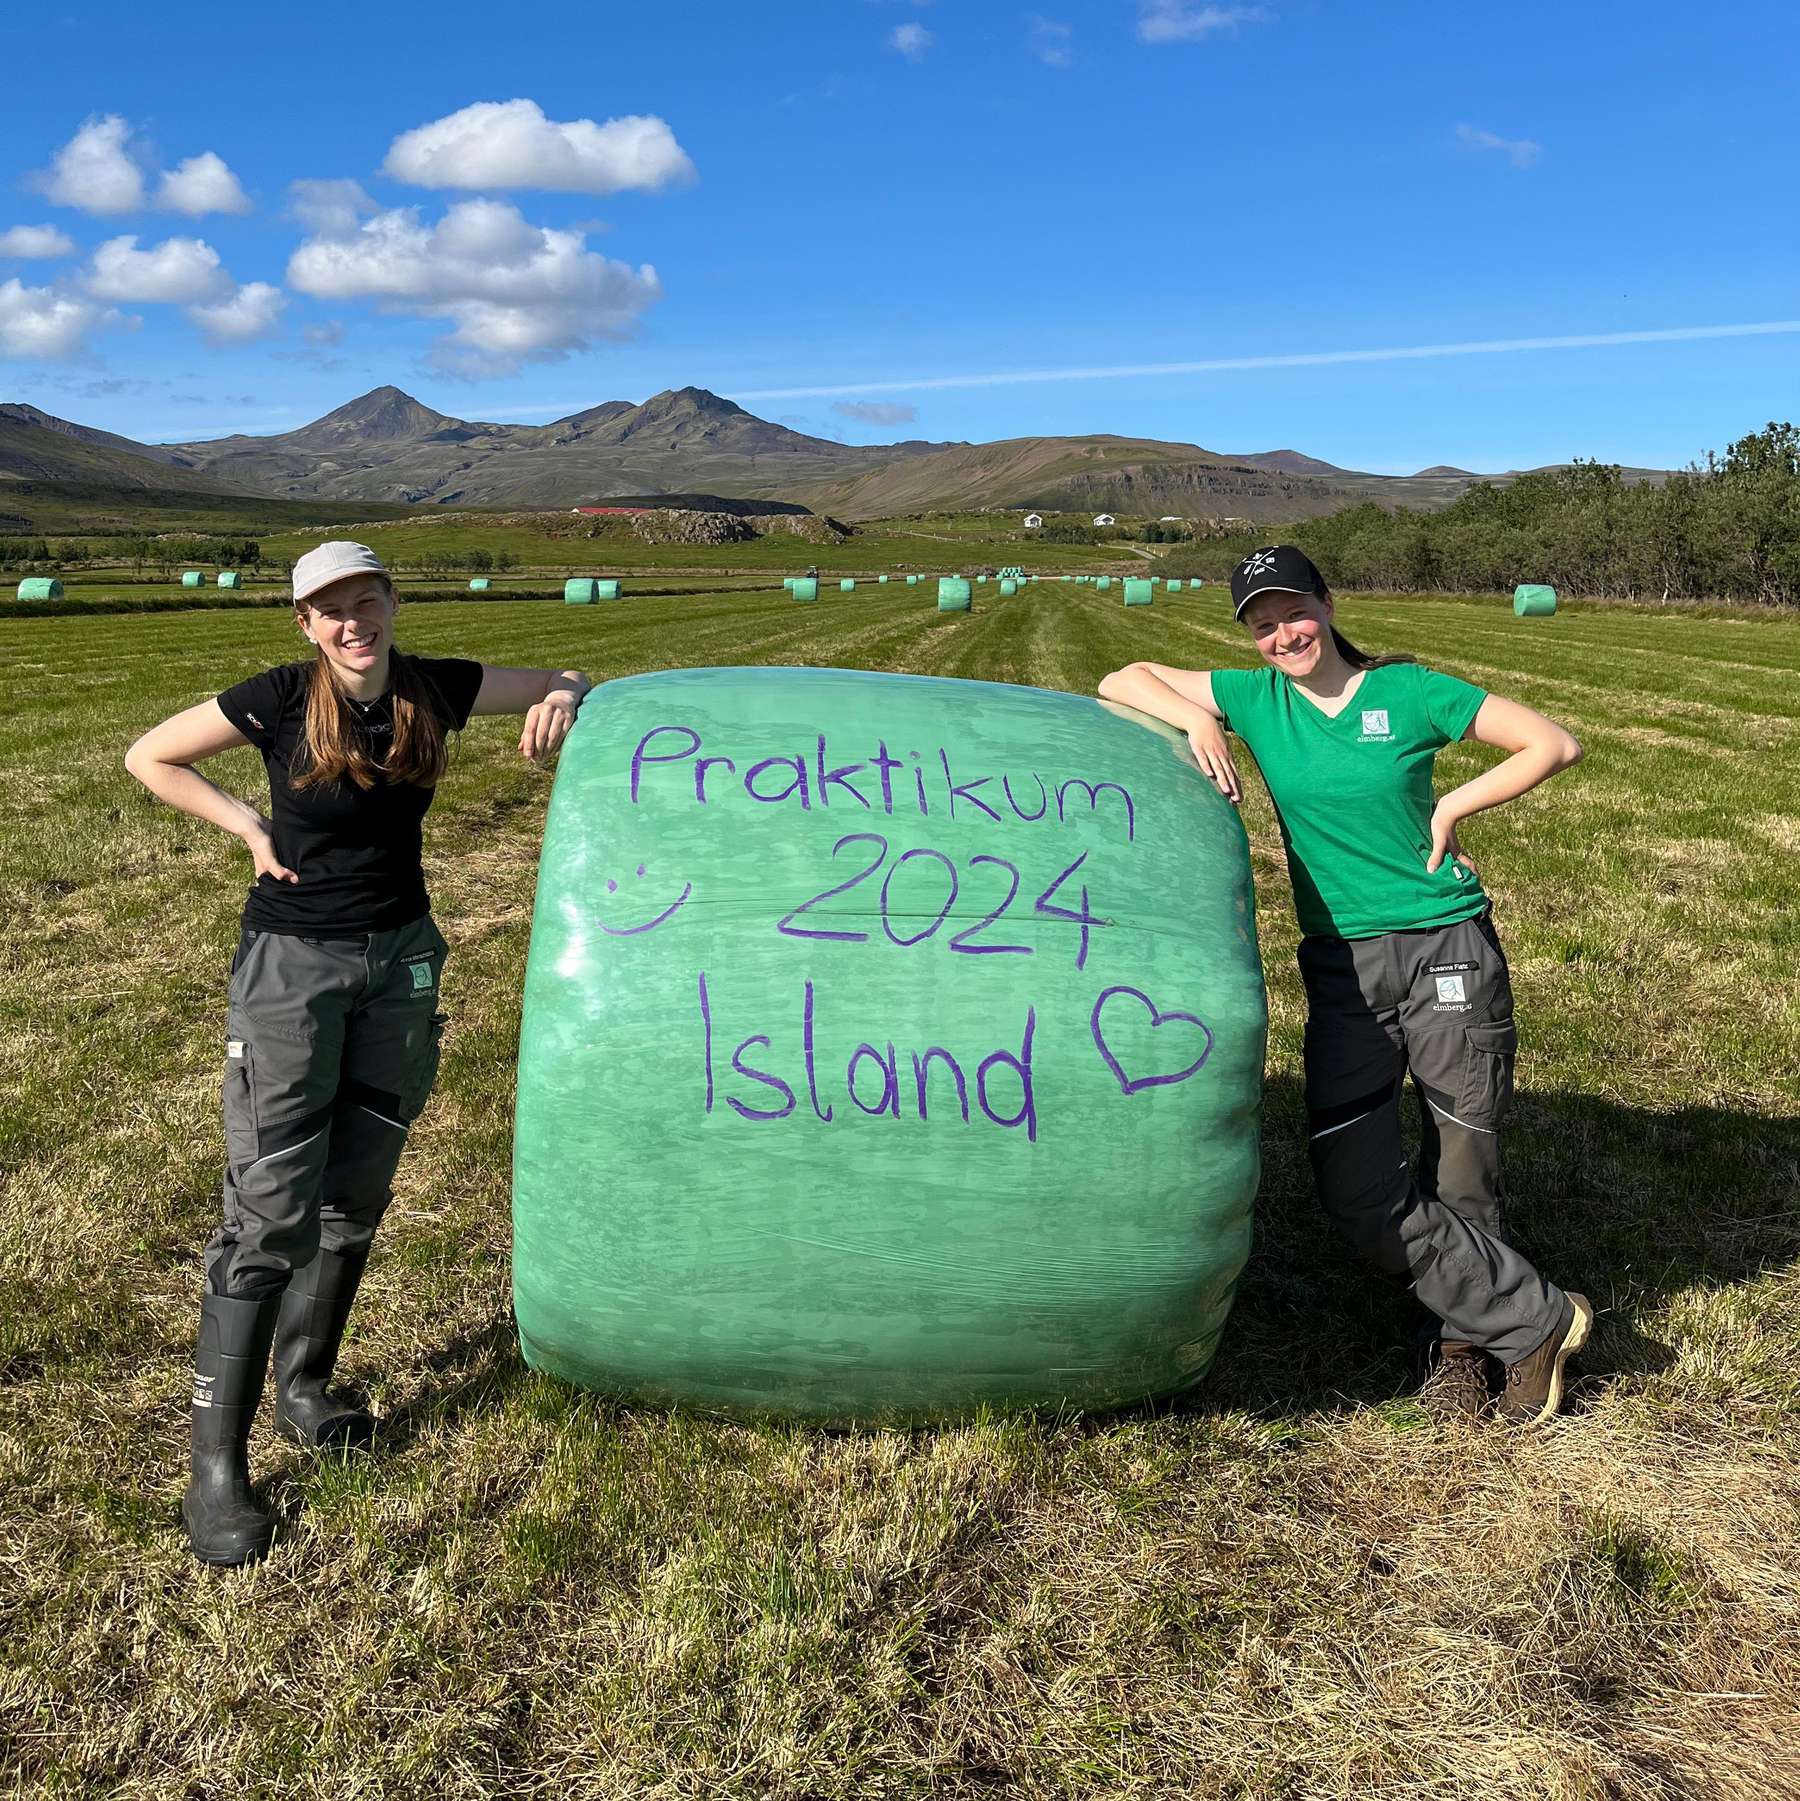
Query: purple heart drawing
[{"x": 1128, "y": 1085}]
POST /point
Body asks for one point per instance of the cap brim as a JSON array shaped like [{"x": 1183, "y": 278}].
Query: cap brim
[
  {"x": 1267, "y": 588},
  {"x": 332, "y": 580}
]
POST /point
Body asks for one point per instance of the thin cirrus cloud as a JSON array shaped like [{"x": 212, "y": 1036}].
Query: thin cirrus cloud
[
  {"x": 36, "y": 241},
  {"x": 875, "y": 412},
  {"x": 514, "y": 292},
  {"x": 511, "y": 144},
  {"x": 1520, "y": 152},
  {"x": 911, "y": 40},
  {"x": 97, "y": 171},
  {"x": 1050, "y": 41},
  {"x": 1185, "y": 22},
  {"x": 1679, "y": 334}
]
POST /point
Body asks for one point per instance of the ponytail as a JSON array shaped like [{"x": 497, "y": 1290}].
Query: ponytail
[{"x": 1362, "y": 659}]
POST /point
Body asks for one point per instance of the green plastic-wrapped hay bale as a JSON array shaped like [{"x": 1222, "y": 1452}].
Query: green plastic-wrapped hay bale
[
  {"x": 193, "y": 578},
  {"x": 804, "y": 587},
  {"x": 881, "y": 579},
  {"x": 581, "y": 590},
  {"x": 1173, "y": 586},
  {"x": 229, "y": 578},
  {"x": 1532, "y": 600},
  {"x": 1139, "y": 593},
  {"x": 607, "y": 590},
  {"x": 955, "y": 595},
  {"x": 1008, "y": 585},
  {"x": 1103, "y": 582},
  {"x": 892, "y": 1048},
  {"x": 912, "y": 581},
  {"x": 847, "y": 585},
  {"x": 478, "y": 584},
  {"x": 40, "y": 587}
]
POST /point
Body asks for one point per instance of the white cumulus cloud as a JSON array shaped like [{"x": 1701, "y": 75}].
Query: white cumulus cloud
[
  {"x": 99, "y": 170},
  {"x": 1520, "y": 152},
  {"x": 1187, "y": 21},
  {"x": 331, "y": 209},
  {"x": 511, "y": 144},
  {"x": 516, "y": 292},
  {"x": 202, "y": 184},
  {"x": 911, "y": 40},
  {"x": 46, "y": 322},
  {"x": 93, "y": 172},
  {"x": 181, "y": 271},
  {"x": 36, "y": 240},
  {"x": 252, "y": 312}
]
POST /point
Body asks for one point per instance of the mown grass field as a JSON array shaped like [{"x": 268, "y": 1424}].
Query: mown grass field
[{"x": 1291, "y": 1584}]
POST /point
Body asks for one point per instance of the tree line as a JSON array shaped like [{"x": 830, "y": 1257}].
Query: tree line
[{"x": 1725, "y": 529}]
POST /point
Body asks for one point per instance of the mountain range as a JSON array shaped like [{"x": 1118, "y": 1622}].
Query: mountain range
[{"x": 386, "y": 447}]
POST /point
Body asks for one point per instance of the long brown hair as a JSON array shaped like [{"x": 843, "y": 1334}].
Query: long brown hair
[
  {"x": 1362, "y": 659},
  {"x": 330, "y": 748}
]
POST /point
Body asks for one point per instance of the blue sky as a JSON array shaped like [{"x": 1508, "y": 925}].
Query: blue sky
[{"x": 901, "y": 201}]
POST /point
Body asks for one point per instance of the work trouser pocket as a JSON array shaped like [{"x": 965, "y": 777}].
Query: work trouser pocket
[
  {"x": 424, "y": 1072},
  {"x": 1490, "y": 1046},
  {"x": 240, "y": 1102}
]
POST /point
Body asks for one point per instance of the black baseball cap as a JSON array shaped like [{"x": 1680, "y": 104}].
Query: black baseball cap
[{"x": 1276, "y": 569}]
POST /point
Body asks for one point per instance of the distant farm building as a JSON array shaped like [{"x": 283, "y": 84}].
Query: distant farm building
[
  {"x": 1105, "y": 519},
  {"x": 1033, "y": 521}
]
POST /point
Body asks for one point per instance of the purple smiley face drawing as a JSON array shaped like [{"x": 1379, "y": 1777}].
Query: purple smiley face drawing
[{"x": 649, "y": 925}]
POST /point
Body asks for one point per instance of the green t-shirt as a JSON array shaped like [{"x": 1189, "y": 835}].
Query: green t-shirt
[{"x": 1354, "y": 793}]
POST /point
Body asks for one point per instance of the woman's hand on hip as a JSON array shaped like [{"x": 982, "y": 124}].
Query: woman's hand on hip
[
  {"x": 262, "y": 849},
  {"x": 1213, "y": 754},
  {"x": 1444, "y": 844}
]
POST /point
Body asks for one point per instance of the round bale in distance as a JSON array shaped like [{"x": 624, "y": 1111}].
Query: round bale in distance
[
  {"x": 193, "y": 578},
  {"x": 789, "y": 1144},
  {"x": 229, "y": 578},
  {"x": 607, "y": 590},
  {"x": 1532, "y": 600},
  {"x": 478, "y": 584},
  {"x": 1139, "y": 593},
  {"x": 847, "y": 585},
  {"x": 1008, "y": 585},
  {"x": 804, "y": 587},
  {"x": 1174, "y": 587},
  {"x": 40, "y": 587},
  {"x": 580, "y": 590},
  {"x": 954, "y": 594}
]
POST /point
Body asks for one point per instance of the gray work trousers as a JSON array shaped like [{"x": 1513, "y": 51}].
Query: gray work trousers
[
  {"x": 331, "y": 1050},
  {"x": 1435, "y": 1004}
]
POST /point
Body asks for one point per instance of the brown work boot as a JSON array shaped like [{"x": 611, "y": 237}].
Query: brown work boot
[
  {"x": 1457, "y": 1386},
  {"x": 1534, "y": 1385}
]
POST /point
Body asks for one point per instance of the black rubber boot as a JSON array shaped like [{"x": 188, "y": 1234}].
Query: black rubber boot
[
  {"x": 314, "y": 1312},
  {"x": 224, "y": 1524}
]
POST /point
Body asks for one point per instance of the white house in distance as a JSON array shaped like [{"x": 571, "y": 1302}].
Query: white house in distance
[
  {"x": 1105, "y": 519},
  {"x": 1033, "y": 521}
]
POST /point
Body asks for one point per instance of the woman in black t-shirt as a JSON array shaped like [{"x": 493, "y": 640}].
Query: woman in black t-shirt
[{"x": 333, "y": 1024}]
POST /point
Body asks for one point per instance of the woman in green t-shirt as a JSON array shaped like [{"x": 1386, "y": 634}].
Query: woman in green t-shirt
[{"x": 1403, "y": 970}]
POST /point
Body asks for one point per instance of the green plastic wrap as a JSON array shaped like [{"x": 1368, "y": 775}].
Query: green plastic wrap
[
  {"x": 229, "y": 578},
  {"x": 1008, "y": 585},
  {"x": 892, "y": 1047},
  {"x": 912, "y": 581},
  {"x": 804, "y": 587},
  {"x": 881, "y": 579},
  {"x": 40, "y": 587},
  {"x": 478, "y": 584},
  {"x": 1174, "y": 587},
  {"x": 1531, "y": 600},
  {"x": 1139, "y": 593},
  {"x": 847, "y": 585},
  {"x": 580, "y": 590},
  {"x": 192, "y": 578},
  {"x": 1103, "y": 582},
  {"x": 954, "y": 594}
]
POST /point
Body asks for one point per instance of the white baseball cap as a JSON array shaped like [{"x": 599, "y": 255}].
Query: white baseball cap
[{"x": 330, "y": 563}]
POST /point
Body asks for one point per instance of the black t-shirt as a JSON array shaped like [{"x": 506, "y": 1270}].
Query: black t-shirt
[{"x": 356, "y": 851}]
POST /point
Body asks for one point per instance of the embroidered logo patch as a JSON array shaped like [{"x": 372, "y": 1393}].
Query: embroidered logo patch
[
  {"x": 1450, "y": 988},
  {"x": 421, "y": 975},
  {"x": 1375, "y": 723}
]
